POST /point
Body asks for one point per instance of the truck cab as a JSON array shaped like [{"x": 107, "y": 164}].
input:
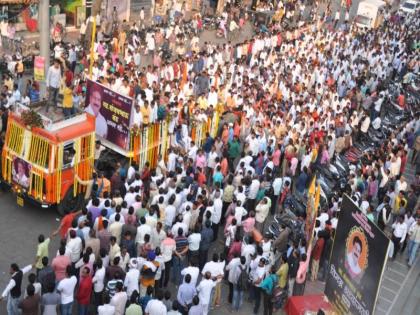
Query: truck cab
[
  {"x": 370, "y": 14},
  {"x": 409, "y": 7},
  {"x": 41, "y": 157}
]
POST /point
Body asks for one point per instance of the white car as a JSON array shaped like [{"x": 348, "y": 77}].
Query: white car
[{"x": 410, "y": 7}]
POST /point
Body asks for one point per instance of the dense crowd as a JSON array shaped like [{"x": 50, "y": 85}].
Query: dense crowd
[{"x": 164, "y": 240}]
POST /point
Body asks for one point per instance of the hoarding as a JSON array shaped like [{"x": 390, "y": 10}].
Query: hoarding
[
  {"x": 112, "y": 111},
  {"x": 357, "y": 261}
]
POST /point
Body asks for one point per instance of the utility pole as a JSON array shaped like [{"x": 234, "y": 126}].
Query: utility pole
[{"x": 44, "y": 33}]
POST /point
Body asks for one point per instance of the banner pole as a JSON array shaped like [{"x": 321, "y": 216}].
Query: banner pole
[{"x": 92, "y": 47}]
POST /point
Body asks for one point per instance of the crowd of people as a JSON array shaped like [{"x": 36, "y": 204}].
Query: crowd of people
[{"x": 165, "y": 239}]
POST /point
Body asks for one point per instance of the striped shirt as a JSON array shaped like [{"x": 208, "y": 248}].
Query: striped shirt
[{"x": 181, "y": 243}]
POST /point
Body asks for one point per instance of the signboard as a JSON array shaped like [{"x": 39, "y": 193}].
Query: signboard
[
  {"x": 112, "y": 111},
  {"x": 357, "y": 260},
  {"x": 39, "y": 68}
]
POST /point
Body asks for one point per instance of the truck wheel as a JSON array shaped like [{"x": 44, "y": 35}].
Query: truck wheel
[{"x": 69, "y": 203}]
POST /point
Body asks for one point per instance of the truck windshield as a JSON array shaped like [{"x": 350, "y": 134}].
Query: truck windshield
[
  {"x": 408, "y": 5},
  {"x": 363, "y": 20}
]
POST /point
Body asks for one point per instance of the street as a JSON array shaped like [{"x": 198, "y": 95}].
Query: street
[{"x": 21, "y": 227}]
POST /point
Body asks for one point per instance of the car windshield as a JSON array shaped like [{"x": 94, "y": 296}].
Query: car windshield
[
  {"x": 362, "y": 20},
  {"x": 408, "y": 5}
]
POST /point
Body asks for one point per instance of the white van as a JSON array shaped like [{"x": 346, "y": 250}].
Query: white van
[
  {"x": 410, "y": 7},
  {"x": 370, "y": 13}
]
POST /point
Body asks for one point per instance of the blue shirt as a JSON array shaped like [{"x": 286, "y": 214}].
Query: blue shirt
[
  {"x": 186, "y": 292},
  {"x": 301, "y": 182},
  {"x": 218, "y": 177},
  {"x": 144, "y": 300},
  {"x": 208, "y": 144},
  {"x": 268, "y": 283},
  {"x": 196, "y": 310}
]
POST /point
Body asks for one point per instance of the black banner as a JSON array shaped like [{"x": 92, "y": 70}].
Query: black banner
[{"x": 358, "y": 256}]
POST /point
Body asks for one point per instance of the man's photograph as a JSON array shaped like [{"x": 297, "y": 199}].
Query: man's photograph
[
  {"x": 94, "y": 108},
  {"x": 21, "y": 172},
  {"x": 356, "y": 254}
]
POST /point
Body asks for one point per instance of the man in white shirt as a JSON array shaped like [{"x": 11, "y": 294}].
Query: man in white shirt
[
  {"x": 53, "y": 82},
  {"x": 253, "y": 191},
  {"x": 158, "y": 235},
  {"x": 398, "y": 235},
  {"x": 323, "y": 217},
  {"x": 261, "y": 213},
  {"x": 240, "y": 212},
  {"x": 119, "y": 299},
  {"x": 170, "y": 213},
  {"x": 142, "y": 230},
  {"x": 98, "y": 283},
  {"x": 156, "y": 306},
  {"x": 131, "y": 282},
  {"x": 204, "y": 291},
  {"x": 194, "y": 240},
  {"x": 193, "y": 271},
  {"x": 74, "y": 247},
  {"x": 66, "y": 289},
  {"x": 107, "y": 308}
]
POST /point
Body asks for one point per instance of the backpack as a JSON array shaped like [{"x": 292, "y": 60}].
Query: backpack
[{"x": 242, "y": 283}]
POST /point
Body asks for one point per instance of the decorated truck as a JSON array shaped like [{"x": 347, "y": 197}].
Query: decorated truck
[{"x": 41, "y": 157}]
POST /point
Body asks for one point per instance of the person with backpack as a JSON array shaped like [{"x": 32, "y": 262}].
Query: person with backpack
[
  {"x": 239, "y": 283},
  {"x": 267, "y": 287}
]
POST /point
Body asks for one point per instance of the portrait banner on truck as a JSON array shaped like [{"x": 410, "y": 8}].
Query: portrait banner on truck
[
  {"x": 357, "y": 261},
  {"x": 112, "y": 111}
]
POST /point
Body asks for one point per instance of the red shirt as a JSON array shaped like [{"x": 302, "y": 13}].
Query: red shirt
[
  {"x": 317, "y": 251},
  {"x": 235, "y": 248},
  {"x": 68, "y": 77},
  {"x": 403, "y": 163},
  {"x": 66, "y": 224},
  {"x": 84, "y": 291},
  {"x": 201, "y": 178}
]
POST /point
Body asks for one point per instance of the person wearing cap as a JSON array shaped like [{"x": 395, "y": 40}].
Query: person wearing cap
[
  {"x": 148, "y": 272},
  {"x": 131, "y": 282}
]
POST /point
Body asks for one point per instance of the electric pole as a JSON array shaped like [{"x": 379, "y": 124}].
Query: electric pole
[{"x": 44, "y": 34}]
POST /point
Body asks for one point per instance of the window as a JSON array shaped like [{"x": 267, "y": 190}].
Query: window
[
  {"x": 39, "y": 151},
  {"x": 68, "y": 155},
  {"x": 16, "y": 138}
]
